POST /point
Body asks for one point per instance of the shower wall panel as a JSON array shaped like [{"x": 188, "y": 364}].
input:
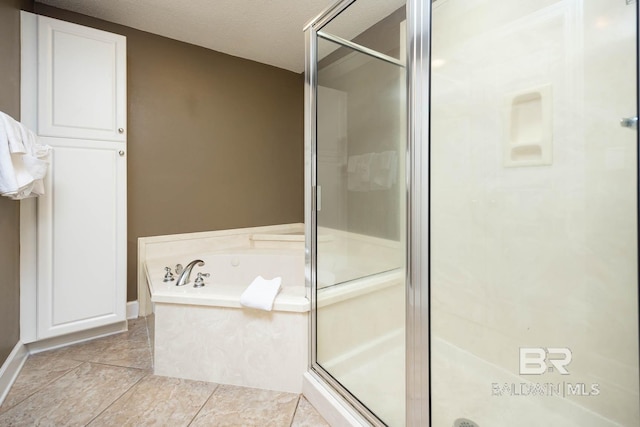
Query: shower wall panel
[{"x": 546, "y": 255}]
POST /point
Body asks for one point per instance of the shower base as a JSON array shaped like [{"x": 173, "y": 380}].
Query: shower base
[{"x": 461, "y": 388}]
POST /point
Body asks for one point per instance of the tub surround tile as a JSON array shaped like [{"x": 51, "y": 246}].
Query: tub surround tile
[
  {"x": 243, "y": 347},
  {"x": 233, "y": 406},
  {"x": 228, "y": 343},
  {"x": 75, "y": 398},
  {"x": 157, "y": 401},
  {"x": 307, "y": 416},
  {"x": 38, "y": 371},
  {"x": 151, "y": 324}
]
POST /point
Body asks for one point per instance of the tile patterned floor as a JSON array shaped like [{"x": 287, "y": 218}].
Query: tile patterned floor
[{"x": 109, "y": 382}]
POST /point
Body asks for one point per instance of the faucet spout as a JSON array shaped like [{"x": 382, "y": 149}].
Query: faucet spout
[{"x": 183, "y": 279}]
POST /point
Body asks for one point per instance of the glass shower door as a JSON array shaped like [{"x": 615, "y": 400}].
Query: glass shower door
[
  {"x": 534, "y": 213},
  {"x": 359, "y": 295}
]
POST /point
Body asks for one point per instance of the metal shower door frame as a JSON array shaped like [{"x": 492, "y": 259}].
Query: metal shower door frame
[{"x": 417, "y": 197}]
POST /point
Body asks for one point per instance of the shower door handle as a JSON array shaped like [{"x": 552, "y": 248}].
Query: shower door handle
[
  {"x": 629, "y": 122},
  {"x": 317, "y": 198}
]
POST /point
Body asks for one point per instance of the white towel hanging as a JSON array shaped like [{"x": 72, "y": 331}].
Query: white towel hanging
[{"x": 23, "y": 160}]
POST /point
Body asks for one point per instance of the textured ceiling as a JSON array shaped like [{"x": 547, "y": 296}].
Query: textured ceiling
[{"x": 267, "y": 31}]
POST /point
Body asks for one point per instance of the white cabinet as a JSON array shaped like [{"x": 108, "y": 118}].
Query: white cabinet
[
  {"x": 76, "y": 100},
  {"x": 82, "y": 237},
  {"x": 81, "y": 82}
]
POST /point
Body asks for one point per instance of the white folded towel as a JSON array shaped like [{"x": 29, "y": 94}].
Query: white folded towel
[
  {"x": 261, "y": 293},
  {"x": 384, "y": 170},
  {"x": 23, "y": 161},
  {"x": 358, "y": 172}
]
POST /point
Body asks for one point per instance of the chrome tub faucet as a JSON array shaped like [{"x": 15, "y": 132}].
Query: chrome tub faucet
[{"x": 183, "y": 279}]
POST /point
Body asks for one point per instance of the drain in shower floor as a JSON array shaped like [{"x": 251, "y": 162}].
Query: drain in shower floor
[{"x": 463, "y": 422}]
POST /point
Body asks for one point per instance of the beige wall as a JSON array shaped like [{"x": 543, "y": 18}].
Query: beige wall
[
  {"x": 215, "y": 141},
  {"x": 9, "y": 210}
]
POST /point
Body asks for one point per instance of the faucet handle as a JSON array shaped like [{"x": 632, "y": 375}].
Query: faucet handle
[
  {"x": 179, "y": 268},
  {"x": 200, "y": 280},
  {"x": 168, "y": 275}
]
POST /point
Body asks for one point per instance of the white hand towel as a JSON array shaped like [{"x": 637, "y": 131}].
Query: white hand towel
[
  {"x": 36, "y": 161},
  {"x": 261, "y": 293},
  {"x": 384, "y": 170},
  {"x": 8, "y": 181},
  {"x": 359, "y": 171},
  {"x": 23, "y": 161},
  {"x": 13, "y": 134}
]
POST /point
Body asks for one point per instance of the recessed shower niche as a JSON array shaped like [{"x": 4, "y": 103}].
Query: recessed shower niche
[{"x": 528, "y": 133}]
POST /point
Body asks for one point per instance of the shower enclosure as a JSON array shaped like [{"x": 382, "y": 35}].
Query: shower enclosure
[
  {"x": 359, "y": 213},
  {"x": 472, "y": 211}
]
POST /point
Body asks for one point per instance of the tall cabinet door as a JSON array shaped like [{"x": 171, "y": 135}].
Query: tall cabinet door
[
  {"x": 81, "y": 218},
  {"x": 82, "y": 238},
  {"x": 82, "y": 82}
]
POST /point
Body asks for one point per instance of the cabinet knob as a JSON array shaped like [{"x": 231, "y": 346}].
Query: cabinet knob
[
  {"x": 121, "y": 152},
  {"x": 120, "y": 130}
]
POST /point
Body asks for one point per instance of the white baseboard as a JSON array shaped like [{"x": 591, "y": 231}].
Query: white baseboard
[
  {"x": 76, "y": 337},
  {"x": 132, "y": 309},
  {"x": 11, "y": 368}
]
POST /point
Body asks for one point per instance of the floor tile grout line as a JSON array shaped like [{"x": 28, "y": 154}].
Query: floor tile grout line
[
  {"x": 80, "y": 363},
  {"x": 117, "y": 399},
  {"x": 44, "y": 385},
  {"x": 203, "y": 405},
  {"x": 89, "y": 360},
  {"x": 293, "y": 416},
  {"x": 117, "y": 366},
  {"x": 131, "y": 387},
  {"x": 145, "y": 373}
]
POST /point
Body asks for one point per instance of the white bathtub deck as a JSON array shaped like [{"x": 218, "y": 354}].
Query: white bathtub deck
[{"x": 213, "y": 294}]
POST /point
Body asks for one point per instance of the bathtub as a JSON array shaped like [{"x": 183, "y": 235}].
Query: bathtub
[
  {"x": 231, "y": 271},
  {"x": 205, "y": 334}
]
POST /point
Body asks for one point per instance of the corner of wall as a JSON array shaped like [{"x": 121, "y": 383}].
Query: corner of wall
[{"x": 9, "y": 209}]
